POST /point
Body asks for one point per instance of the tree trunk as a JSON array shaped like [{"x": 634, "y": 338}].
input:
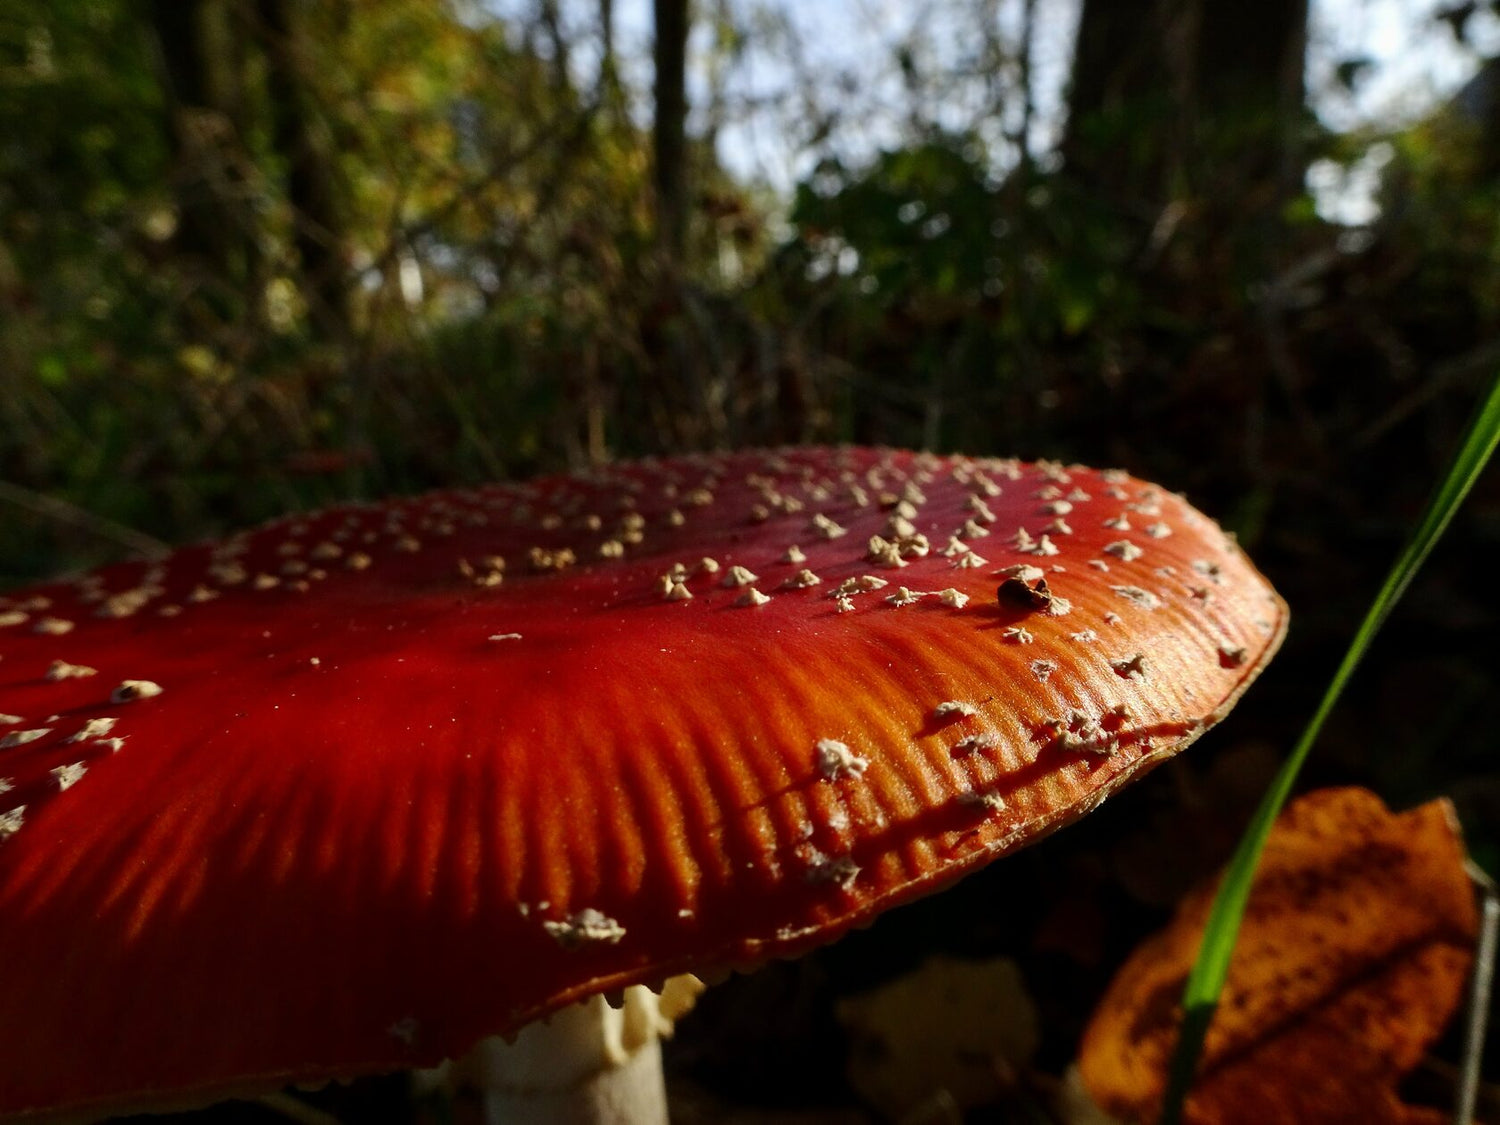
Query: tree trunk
[
  {"x": 203, "y": 227},
  {"x": 669, "y": 129},
  {"x": 608, "y": 70},
  {"x": 311, "y": 181},
  {"x": 1476, "y": 107},
  {"x": 1250, "y": 92},
  {"x": 1171, "y": 99},
  {"x": 551, "y": 20}
]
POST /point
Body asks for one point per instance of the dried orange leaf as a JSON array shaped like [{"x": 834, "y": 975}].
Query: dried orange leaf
[{"x": 1353, "y": 956}]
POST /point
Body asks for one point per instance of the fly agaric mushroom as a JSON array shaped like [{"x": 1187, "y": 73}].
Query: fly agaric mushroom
[{"x": 355, "y": 790}]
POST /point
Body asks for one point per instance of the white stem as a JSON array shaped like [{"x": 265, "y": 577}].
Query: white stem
[{"x": 587, "y": 1065}]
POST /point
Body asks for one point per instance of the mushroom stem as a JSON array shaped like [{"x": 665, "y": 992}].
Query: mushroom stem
[{"x": 591, "y": 1064}]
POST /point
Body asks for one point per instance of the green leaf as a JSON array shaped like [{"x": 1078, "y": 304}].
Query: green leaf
[
  {"x": 52, "y": 369},
  {"x": 1206, "y": 981}
]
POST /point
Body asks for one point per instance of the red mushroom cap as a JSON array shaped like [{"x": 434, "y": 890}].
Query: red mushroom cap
[{"x": 348, "y": 792}]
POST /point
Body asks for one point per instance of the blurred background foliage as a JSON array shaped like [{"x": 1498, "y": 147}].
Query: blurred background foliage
[{"x": 260, "y": 255}]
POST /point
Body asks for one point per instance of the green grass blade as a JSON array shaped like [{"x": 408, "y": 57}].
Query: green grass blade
[{"x": 1201, "y": 996}]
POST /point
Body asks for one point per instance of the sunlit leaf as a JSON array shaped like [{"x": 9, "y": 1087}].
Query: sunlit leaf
[{"x": 1352, "y": 957}]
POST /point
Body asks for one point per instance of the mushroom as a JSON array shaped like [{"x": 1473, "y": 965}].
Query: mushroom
[{"x": 360, "y": 789}]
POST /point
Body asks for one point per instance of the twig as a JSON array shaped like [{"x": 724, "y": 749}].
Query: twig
[
  {"x": 1479, "y": 997},
  {"x": 470, "y": 190},
  {"x": 1482, "y": 358},
  {"x": 295, "y": 1109},
  {"x": 62, "y": 511}
]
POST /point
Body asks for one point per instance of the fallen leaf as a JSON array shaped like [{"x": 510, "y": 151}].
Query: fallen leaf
[
  {"x": 1353, "y": 956},
  {"x": 952, "y": 1029}
]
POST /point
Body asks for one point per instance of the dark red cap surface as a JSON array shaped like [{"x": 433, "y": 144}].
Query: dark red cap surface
[{"x": 347, "y": 792}]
